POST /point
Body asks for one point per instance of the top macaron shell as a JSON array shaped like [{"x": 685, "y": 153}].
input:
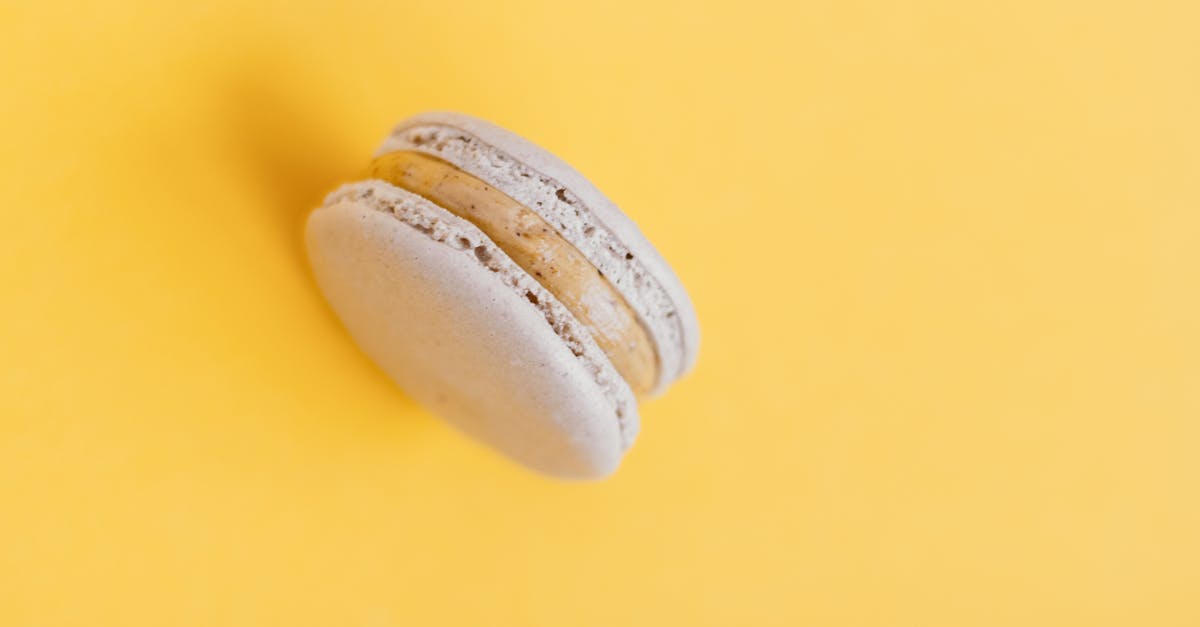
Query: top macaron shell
[{"x": 583, "y": 215}]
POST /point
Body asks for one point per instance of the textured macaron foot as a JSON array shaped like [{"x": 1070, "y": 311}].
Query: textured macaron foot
[
  {"x": 537, "y": 247},
  {"x": 580, "y": 213}
]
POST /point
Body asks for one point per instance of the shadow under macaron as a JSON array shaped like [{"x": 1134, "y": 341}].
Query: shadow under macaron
[{"x": 294, "y": 148}]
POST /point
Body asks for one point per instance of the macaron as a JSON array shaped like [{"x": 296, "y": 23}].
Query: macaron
[{"x": 503, "y": 292}]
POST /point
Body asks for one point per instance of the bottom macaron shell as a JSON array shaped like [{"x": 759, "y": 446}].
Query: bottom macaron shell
[{"x": 458, "y": 340}]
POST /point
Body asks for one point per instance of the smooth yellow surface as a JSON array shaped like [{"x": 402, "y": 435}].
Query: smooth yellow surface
[{"x": 946, "y": 257}]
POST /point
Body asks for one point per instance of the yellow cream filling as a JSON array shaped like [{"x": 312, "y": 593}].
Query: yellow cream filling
[{"x": 535, "y": 246}]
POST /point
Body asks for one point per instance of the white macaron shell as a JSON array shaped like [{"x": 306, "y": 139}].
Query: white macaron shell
[
  {"x": 464, "y": 340},
  {"x": 642, "y": 276}
]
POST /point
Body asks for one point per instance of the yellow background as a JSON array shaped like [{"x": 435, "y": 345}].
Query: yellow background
[{"x": 946, "y": 257}]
